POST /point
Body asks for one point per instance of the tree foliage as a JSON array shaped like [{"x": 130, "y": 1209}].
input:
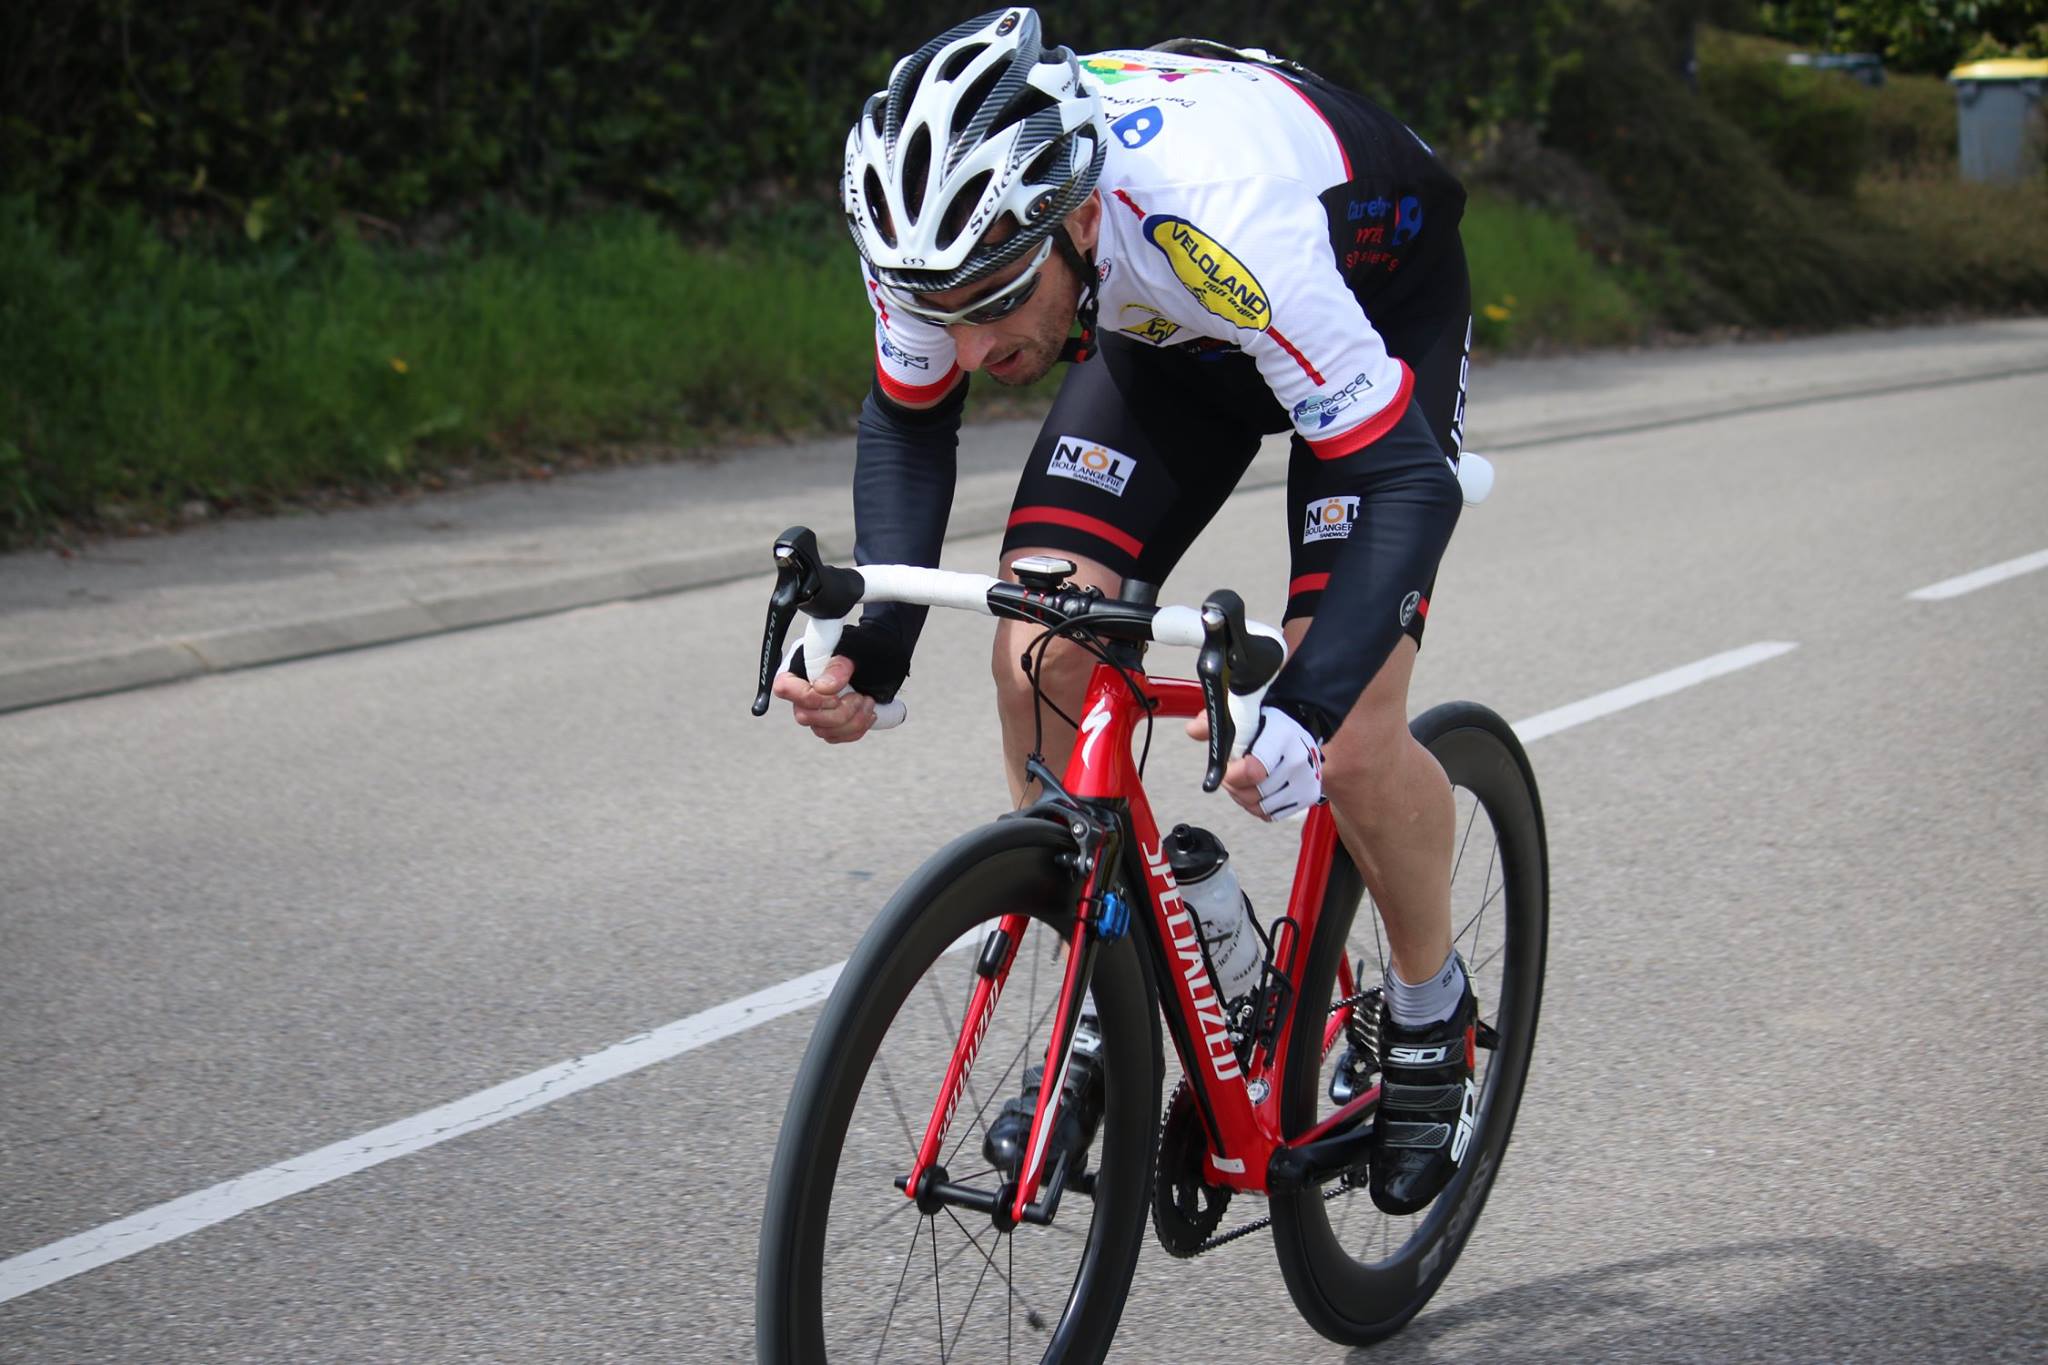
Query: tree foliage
[
  {"x": 1928, "y": 36},
  {"x": 275, "y": 115}
]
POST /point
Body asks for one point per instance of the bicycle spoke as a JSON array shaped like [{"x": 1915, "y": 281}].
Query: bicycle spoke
[
  {"x": 889, "y": 1086},
  {"x": 1459, "y": 861},
  {"x": 890, "y": 1321},
  {"x": 1492, "y": 896},
  {"x": 898, "y": 1206},
  {"x": 938, "y": 1295},
  {"x": 975, "y": 1120},
  {"x": 1012, "y": 1296}
]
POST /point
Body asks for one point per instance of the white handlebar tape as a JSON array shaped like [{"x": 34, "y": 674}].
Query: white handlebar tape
[
  {"x": 1475, "y": 478},
  {"x": 969, "y": 592},
  {"x": 926, "y": 587}
]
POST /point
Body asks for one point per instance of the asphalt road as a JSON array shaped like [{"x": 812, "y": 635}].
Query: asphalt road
[{"x": 1784, "y": 1105}]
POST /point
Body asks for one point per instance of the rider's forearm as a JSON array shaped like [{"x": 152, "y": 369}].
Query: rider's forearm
[
  {"x": 1405, "y": 518},
  {"x": 904, "y": 472}
]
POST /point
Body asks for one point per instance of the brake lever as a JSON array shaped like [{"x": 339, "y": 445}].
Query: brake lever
[
  {"x": 796, "y": 582},
  {"x": 1222, "y": 628}
]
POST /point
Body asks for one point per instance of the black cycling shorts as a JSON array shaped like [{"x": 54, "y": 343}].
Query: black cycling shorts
[{"x": 1144, "y": 443}]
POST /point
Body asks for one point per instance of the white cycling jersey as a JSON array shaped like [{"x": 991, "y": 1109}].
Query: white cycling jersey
[{"x": 1217, "y": 231}]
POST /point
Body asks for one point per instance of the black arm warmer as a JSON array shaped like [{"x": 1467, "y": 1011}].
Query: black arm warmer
[{"x": 905, "y": 467}]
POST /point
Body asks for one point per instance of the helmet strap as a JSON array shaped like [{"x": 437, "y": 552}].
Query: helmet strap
[{"x": 1078, "y": 349}]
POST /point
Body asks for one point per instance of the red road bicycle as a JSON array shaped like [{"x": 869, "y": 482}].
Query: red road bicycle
[{"x": 887, "y": 1236}]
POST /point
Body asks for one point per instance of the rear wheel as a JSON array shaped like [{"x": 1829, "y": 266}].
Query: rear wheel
[
  {"x": 849, "y": 1267},
  {"x": 1358, "y": 1274}
]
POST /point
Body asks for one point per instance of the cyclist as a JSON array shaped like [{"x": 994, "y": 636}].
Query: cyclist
[{"x": 1247, "y": 249}]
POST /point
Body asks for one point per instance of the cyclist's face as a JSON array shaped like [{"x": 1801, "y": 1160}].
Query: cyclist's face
[{"x": 1023, "y": 347}]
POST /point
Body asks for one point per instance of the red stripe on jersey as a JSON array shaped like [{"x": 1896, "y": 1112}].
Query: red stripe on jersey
[
  {"x": 1076, "y": 521},
  {"x": 1130, "y": 203},
  {"x": 916, "y": 394},
  {"x": 1308, "y": 582},
  {"x": 1326, "y": 122},
  {"x": 1422, "y": 607},
  {"x": 1299, "y": 358},
  {"x": 1373, "y": 427}
]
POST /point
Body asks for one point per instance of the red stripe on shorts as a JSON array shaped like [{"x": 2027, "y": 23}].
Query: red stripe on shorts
[{"x": 1077, "y": 521}]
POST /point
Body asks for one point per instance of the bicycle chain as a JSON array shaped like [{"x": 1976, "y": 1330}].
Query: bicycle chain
[
  {"x": 1362, "y": 1031},
  {"x": 1342, "y": 1188}
]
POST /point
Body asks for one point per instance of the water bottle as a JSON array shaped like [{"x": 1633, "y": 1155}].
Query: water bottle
[{"x": 1208, "y": 886}]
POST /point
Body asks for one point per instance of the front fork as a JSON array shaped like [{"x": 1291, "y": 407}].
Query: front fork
[{"x": 1099, "y": 917}]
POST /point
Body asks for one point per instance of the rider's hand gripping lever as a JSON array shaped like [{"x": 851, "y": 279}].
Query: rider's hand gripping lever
[{"x": 1234, "y": 662}]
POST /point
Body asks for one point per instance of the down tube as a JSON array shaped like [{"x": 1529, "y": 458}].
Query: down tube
[{"x": 1102, "y": 768}]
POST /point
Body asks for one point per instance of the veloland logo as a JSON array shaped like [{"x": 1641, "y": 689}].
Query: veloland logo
[
  {"x": 1219, "y": 281},
  {"x": 1329, "y": 519},
  {"x": 1095, "y": 465}
]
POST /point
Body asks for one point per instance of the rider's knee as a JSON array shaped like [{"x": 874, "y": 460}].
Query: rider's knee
[
  {"x": 1063, "y": 668},
  {"x": 1366, "y": 769}
]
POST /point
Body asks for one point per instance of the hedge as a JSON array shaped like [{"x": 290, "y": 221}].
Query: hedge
[{"x": 389, "y": 112}]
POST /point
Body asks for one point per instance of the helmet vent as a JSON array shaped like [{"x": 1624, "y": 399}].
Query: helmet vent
[
  {"x": 1023, "y": 105},
  {"x": 1045, "y": 166},
  {"x": 917, "y": 165},
  {"x": 972, "y": 101},
  {"x": 960, "y": 61},
  {"x": 962, "y": 208},
  {"x": 878, "y": 207}
]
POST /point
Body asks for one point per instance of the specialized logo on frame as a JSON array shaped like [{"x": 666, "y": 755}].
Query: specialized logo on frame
[
  {"x": 1093, "y": 464},
  {"x": 1329, "y": 519}
]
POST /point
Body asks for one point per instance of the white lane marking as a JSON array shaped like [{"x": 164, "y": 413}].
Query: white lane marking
[
  {"x": 110, "y": 1242},
  {"x": 1982, "y": 578},
  {"x": 1649, "y": 689},
  {"x": 33, "y": 1270}
]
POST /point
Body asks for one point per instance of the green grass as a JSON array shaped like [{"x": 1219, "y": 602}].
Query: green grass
[
  {"x": 134, "y": 377},
  {"x": 1533, "y": 284}
]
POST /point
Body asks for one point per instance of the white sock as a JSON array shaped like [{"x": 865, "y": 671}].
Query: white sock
[{"x": 1432, "y": 1002}]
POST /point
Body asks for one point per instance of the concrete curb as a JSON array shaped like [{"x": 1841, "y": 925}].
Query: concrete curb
[{"x": 227, "y": 651}]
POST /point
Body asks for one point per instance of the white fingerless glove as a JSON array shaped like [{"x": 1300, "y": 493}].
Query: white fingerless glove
[{"x": 1294, "y": 766}]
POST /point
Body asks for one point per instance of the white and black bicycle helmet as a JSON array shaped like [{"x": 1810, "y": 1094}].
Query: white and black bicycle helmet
[{"x": 982, "y": 120}]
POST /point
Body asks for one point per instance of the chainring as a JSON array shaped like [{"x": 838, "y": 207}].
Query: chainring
[{"x": 1186, "y": 1209}]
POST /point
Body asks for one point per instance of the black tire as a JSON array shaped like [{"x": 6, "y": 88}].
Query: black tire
[
  {"x": 1357, "y": 1274},
  {"x": 861, "y": 1100}
]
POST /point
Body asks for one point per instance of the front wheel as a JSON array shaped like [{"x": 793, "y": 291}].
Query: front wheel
[
  {"x": 1358, "y": 1274},
  {"x": 849, "y": 1268}
]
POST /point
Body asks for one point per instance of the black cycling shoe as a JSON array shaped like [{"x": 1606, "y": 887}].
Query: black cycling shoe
[
  {"x": 1080, "y": 1111},
  {"x": 1428, "y": 1108}
]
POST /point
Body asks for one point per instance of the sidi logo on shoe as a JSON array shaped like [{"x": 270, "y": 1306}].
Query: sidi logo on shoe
[
  {"x": 1420, "y": 1056},
  {"x": 1468, "y": 1117}
]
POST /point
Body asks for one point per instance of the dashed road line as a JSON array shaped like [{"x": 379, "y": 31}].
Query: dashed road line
[{"x": 1982, "y": 578}]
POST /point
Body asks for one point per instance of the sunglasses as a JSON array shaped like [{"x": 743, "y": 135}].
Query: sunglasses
[{"x": 991, "y": 307}]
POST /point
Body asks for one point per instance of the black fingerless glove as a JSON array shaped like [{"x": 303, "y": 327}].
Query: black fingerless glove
[{"x": 880, "y": 661}]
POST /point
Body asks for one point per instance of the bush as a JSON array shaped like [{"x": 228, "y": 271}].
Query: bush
[
  {"x": 1909, "y": 121},
  {"x": 1814, "y": 126},
  {"x": 264, "y": 119},
  {"x": 1533, "y": 284}
]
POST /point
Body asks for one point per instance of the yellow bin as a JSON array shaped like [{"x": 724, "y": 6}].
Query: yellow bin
[{"x": 2000, "y": 132}]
